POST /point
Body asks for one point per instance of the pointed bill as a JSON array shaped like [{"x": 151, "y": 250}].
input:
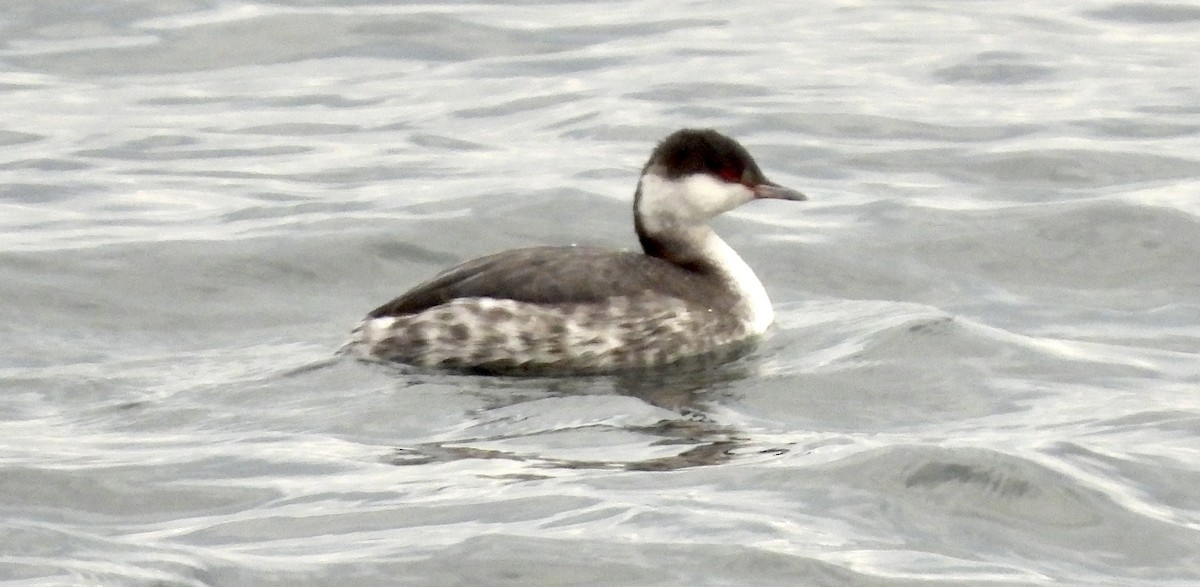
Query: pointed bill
[{"x": 774, "y": 191}]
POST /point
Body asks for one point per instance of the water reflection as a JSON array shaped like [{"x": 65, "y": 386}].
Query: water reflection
[{"x": 690, "y": 394}]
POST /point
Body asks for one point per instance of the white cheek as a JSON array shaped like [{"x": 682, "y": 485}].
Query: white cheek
[
  {"x": 689, "y": 201},
  {"x": 711, "y": 196}
]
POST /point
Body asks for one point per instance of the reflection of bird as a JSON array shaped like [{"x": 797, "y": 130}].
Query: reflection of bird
[{"x": 590, "y": 310}]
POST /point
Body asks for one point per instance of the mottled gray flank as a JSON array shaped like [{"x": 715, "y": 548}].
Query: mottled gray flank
[{"x": 506, "y": 336}]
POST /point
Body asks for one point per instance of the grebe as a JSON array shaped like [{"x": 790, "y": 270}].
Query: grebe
[{"x": 579, "y": 310}]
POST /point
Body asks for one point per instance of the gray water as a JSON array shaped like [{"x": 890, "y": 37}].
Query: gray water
[{"x": 985, "y": 368}]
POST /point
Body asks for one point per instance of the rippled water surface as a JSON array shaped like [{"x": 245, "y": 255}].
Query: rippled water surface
[{"x": 985, "y": 368}]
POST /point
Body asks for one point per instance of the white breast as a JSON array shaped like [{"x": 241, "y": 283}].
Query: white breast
[{"x": 751, "y": 291}]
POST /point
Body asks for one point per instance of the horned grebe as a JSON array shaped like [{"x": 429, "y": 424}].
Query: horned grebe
[{"x": 590, "y": 310}]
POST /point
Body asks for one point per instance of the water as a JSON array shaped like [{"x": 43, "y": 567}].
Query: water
[{"x": 984, "y": 369}]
